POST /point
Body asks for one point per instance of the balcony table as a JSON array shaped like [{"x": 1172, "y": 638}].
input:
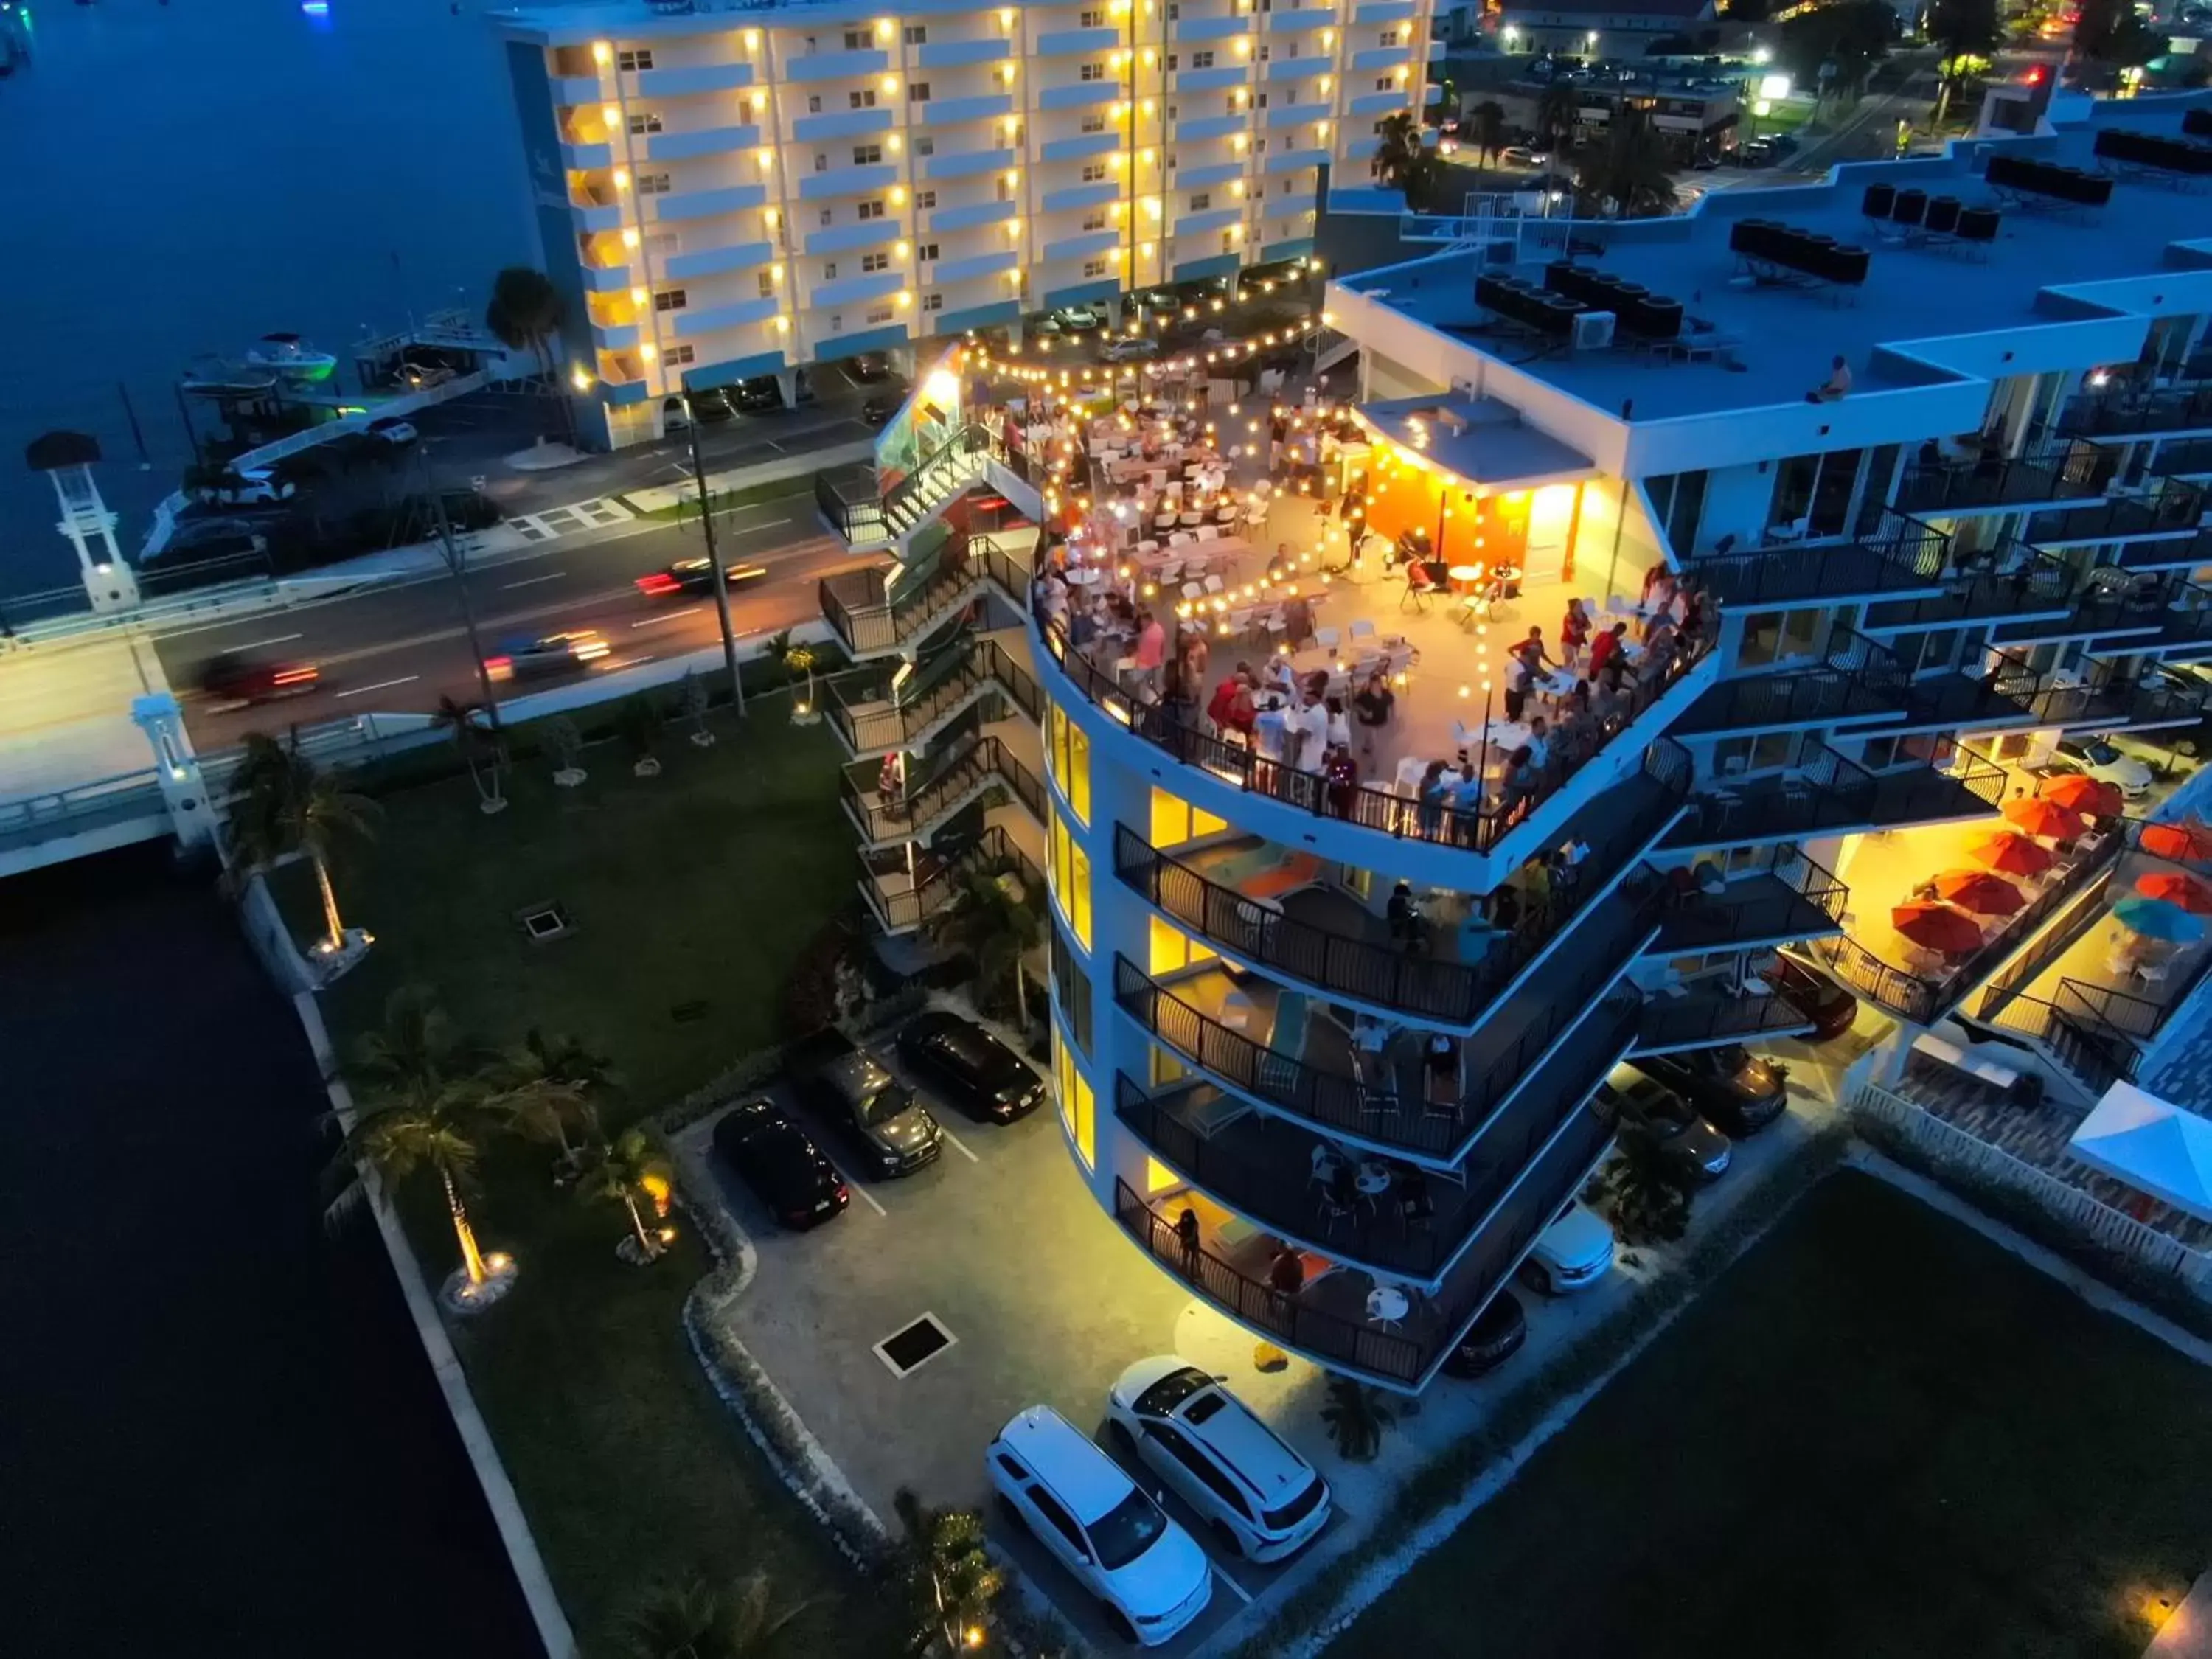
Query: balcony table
[
  {"x": 1372, "y": 1178},
  {"x": 1388, "y": 1305}
]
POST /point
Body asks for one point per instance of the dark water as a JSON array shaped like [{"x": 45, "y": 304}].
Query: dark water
[
  {"x": 218, "y": 1433},
  {"x": 176, "y": 180}
]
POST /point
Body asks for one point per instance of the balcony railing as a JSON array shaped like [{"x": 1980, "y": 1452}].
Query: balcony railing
[
  {"x": 870, "y": 617},
  {"x": 1899, "y": 553},
  {"x": 1265, "y": 1172},
  {"x": 2123, "y": 414},
  {"x": 1409, "y": 1355},
  {"x": 2068, "y": 472},
  {"x": 1388, "y": 976},
  {"x": 1698, "y": 1020},
  {"x": 967, "y": 769},
  {"x": 2012, "y": 580},
  {"x": 992, "y": 851},
  {"x": 2176, "y": 554},
  {"x": 1793, "y": 897},
  {"x": 1397, "y": 816},
  {"x": 2120, "y": 701},
  {"x": 866, "y": 721},
  {"x": 1826, "y": 792},
  {"x": 2165, "y": 505},
  {"x": 2096, "y": 1059},
  {"x": 1385, "y": 1113}
]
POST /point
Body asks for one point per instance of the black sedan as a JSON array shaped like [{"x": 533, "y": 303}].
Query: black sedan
[
  {"x": 972, "y": 1068},
  {"x": 1649, "y": 1112},
  {"x": 893, "y": 1131},
  {"x": 1815, "y": 994},
  {"x": 786, "y": 1171},
  {"x": 1727, "y": 1086},
  {"x": 1494, "y": 1338},
  {"x": 697, "y": 576}
]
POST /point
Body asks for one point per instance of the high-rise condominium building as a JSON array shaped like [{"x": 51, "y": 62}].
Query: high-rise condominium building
[
  {"x": 1932, "y": 437},
  {"x": 727, "y": 192}
]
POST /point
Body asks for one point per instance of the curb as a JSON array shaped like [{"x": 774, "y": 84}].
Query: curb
[{"x": 522, "y": 1554}]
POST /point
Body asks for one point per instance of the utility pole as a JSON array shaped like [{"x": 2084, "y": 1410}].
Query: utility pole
[
  {"x": 457, "y": 563},
  {"x": 714, "y": 556}
]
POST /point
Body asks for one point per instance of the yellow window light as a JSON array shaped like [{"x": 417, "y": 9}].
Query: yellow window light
[
  {"x": 1321, "y": 128},
  {"x": 882, "y": 28},
  {"x": 771, "y": 216},
  {"x": 752, "y": 39},
  {"x": 1146, "y": 250},
  {"x": 1151, "y": 57},
  {"x": 602, "y": 53},
  {"x": 898, "y": 195},
  {"x": 1237, "y": 143},
  {"x": 1243, "y": 47},
  {"x": 1152, "y": 207},
  {"x": 611, "y": 114},
  {"x": 1146, "y": 158},
  {"x": 775, "y": 273},
  {"x": 1006, "y": 17},
  {"x": 903, "y": 249},
  {"x": 1324, "y": 83},
  {"x": 897, "y": 144},
  {"x": 783, "y": 324},
  {"x": 1115, "y": 112},
  {"x": 767, "y": 157},
  {"x": 760, "y": 102},
  {"x": 1328, "y": 38},
  {"x": 621, "y": 178},
  {"x": 1013, "y": 177},
  {"x": 891, "y": 84},
  {"x": 648, "y": 351},
  {"x": 1147, "y": 106},
  {"x": 905, "y": 297},
  {"x": 630, "y": 236},
  {"x": 637, "y": 297}
]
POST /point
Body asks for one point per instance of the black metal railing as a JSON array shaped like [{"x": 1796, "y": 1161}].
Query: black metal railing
[
  {"x": 1823, "y": 791},
  {"x": 1906, "y": 995},
  {"x": 2097, "y": 1059},
  {"x": 869, "y": 617},
  {"x": 2066, "y": 472},
  {"x": 2165, "y": 505},
  {"x": 2124, "y": 413},
  {"x": 2010, "y": 579},
  {"x": 857, "y": 520},
  {"x": 1400, "y": 816},
  {"x": 1506, "y": 1236},
  {"x": 2119, "y": 1011},
  {"x": 2077, "y": 897},
  {"x": 992, "y": 851},
  {"x": 1390, "y": 1111},
  {"x": 1386, "y": 974},
  {"x": 2120, "y": 701},
  {"x": 916, "y": 813},
  {"x": 1900, "y": 552},
  {"x": 2189, "y": 457},
  {"x": 866, "y": 720},
  {"x": 1702, "y": 1020},
  {"x": 2171, "y": 555},
  {"x": 1792, "y": 897}
]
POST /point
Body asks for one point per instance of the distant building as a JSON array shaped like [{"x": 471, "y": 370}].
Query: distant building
[{"x": 1595, "y": 28}]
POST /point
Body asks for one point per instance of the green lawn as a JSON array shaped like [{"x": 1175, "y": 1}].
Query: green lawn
[
  {"x": 1877, "y": 1434},
  {"x": 699, "y": 886},
  {"x": 696, "y": 887}
]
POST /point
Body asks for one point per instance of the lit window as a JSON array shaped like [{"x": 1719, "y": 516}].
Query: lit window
[
  {"x": 1171, "y": 949},
  {"x": 1070, "y": 880},
  {"x": 1068, "y": 758},
  {"x": 1175, "y": 820},
  {"x": 1078, "y": 1107}
]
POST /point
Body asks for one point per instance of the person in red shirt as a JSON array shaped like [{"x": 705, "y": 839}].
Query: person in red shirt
[
  {"x": 1574, "y": 631},
  {"x": 1604, "y": 646},
  {"x": 1232, "y": 710}
]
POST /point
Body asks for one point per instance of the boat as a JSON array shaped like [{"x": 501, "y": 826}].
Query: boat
[
  {"x": 215, "y": 378},
  {"x": 294, "y": 361}
]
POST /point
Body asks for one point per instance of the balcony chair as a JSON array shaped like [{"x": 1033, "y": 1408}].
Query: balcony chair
[{"x": 1793, "y": 531}]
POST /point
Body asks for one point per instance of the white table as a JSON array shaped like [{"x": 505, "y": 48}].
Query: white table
[
  {"x": 1387, "y": 1305},
  {"x": 1085, "y": 576},
  {"x": 1504, "y": 736}
]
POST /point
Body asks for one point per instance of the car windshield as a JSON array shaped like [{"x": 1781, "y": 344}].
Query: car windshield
[
  {"x": 886, "y": 1103},
  {"x": 2101, "y": 754},
  {"x": 1127, "y": 1531},
  {"x": 1171, "y": 1390}
]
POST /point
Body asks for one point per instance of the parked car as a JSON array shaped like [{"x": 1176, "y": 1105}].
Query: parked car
[
  {"x": 1740, "y": 1094},
  {"x": 228, "y": 680},
  {"x": 1261, "y": 1499},
  {"x": 527, "y": 658},
  {"x": 893, "y": 1131},
  {"x": 970, "y": 1067},
  {"x": 1078, "y": 319},
  {"x": 260, "y": 483},
  {"x": 761, "y": 396},
  {"x": 1819, "y": 996},
  {"x": 212, "y": 538},
  {"x": 1130, "y": 346},
  {"x": 1149, "y": 1573},
  {"x": 674, "y": 416},
  {"x": 713, "y": 406},
  {"x": 781, "y": 1163},
  {"x": 421, "y": 377},
  {"x": 393, "y": 430},
  {"x": 1495, "y": 1337},
  {"x": 877, "y": 410},
  {"x": 2101, "y": 761},
  {"x": 1522, "y": 155},
  {"x": 869, "y": 366},
  {"x": 1573, "y": 1253},
  {"x": 1652, "y": 1115},
  {"x": 697, "y": 576}
]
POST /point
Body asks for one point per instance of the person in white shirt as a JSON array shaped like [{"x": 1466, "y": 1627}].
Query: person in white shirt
[{"x": 1310, "y": 722}]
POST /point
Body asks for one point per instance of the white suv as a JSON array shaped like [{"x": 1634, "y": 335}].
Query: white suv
[
  {"x": 1082, "y": 1507},
  {"x": 1260, "y": 1498}
]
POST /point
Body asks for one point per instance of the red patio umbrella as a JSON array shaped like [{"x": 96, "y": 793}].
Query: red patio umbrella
[
  {"x": 1938, "y": 926},
  {"x": 1979, "y": 892},
  {"x": 2190, "y": 842},
  {"x": 2041, "y": 817},
  {"x": 2176, "y": 888},
  {"x": 2011, "y": 852},
  {"x": 2079, "y": 793}
]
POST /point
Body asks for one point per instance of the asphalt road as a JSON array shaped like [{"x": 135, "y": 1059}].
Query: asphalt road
[{"x": 398, "y": 648}]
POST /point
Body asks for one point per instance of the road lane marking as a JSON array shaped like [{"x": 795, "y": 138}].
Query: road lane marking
[
  {"x": 382, "y": 685},
  {"x": 613, "y": 663},
  {"x": 669, "y": 617},
  {"x": 261, "y": 645},
  {"x": 956, "y": 1146},
  {"x": 1242, "y": 1595},
  {"x": 765, "y": 524},
  {"x": 531, "y": 581}
]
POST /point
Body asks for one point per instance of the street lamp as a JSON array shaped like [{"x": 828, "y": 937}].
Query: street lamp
[{"x": 713, "y": 558}]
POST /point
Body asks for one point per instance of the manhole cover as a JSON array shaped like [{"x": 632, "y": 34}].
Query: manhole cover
[
  {"x": 544, "y": 922},
  {"x": 915, "y": 1346}
]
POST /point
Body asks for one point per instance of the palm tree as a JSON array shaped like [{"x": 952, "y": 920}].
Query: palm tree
[
  {"x": 640, "y": 722},
  {"x": 629, "y": 1168},
  {"x": 526, "y": 311},
  {"x": 1646, "y": 1194},
  {"x": 948, "y": 1577},
  {"x": 689, "y": 1619},
  {"x": 1486, "y": 130},
  {"x": 1357, "y": 1416},
  {"x": 286, "y": 805},
  {"x": 480, "y": 752},
  {"x": 1402, "y": 161},
  {"x": 797, "y": 659},
  {"x": 1628, "y": 169},
  {"x": 431, "y": 1097},
  {"x": 987, "y": 920},
  {"x": 1963, "y": 32},
  {"x": 1559, "y": 112},
  {"x": 563, "y": 1078}
]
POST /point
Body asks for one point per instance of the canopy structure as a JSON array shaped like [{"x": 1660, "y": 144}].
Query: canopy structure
[{"x": 2152, "y": 1144}]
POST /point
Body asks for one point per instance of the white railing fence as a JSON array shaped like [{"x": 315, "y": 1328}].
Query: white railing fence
[{"x": 1954, "y": 1146}]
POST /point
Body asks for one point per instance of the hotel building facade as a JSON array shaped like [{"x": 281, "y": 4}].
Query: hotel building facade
[
  {"x": 728, "y": 192},
  {"x": 1987, "y": 544}
]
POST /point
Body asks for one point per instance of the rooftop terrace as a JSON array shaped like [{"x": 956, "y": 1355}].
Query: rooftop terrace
[{"x": 1908, "y": 326}]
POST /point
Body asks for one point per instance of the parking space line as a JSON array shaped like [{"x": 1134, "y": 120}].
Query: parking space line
[
  {"x": 866, "y": 1197},
  {"x": 956, "y": 1146},
  {"x": 1242, "y": 1595}
]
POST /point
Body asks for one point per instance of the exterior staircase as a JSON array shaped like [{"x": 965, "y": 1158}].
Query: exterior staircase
[
  {"x": 871, "y": 717},
  {"x": 973, "y": 456},
  {"x": 887, "y": 612}
]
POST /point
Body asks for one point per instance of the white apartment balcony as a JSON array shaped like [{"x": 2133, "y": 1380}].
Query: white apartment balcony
[
  {"x": 1079, "y": 147},
  {"x": 704, "y": 141},
  {"x": 967, "y": 163},
  {"x": 950, "y": 111},
  {"x": 959, "y": 54},
  {"x": 808, "y": 69},
  {"x": 1094, "y": 43},
  {"x": 685, "y": 80},
  {"x": 864, "y": 179},
  {"x": 968, "y": 216},
  {"x": 1380, "y": 58},
  {"x": 971, "y": 266},
  {"x": 719, "y": 261},
  {"x": 1200, "y": 30},
  {"x": 1080, "y": 94},
  {"x": 696, "y": 321},
  {"x": 702, "y": 201},
  {"x": 1298, "y": 19},
  {"x": 1215, "y": 77},
  {"x": 1280, "y": 68},
  {"x": 843, "y": 124},
  {"x": 843, "y": 239},
  {"x": 844, "y": 291},
  {"x": 1383, "y": 11}
]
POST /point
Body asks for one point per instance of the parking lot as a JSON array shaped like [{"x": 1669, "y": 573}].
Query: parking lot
[{"x": 1045, "y": 1300}]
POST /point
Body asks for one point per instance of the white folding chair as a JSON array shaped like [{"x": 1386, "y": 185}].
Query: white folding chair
[
  {"x": 1213, "y": 585},
  {"x": 1193, "y": 591},
  {"x": 1208, "y": 532},
  {"x": 1180, "y": 538},
  {"x": 1172, "y": 574},
  {"x": 1363, "y": 631},
  {"x": 1328, "y": 638}
]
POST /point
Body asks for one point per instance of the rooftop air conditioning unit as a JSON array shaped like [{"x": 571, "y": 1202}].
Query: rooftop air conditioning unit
[{"x": 1593, "y": 331}]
